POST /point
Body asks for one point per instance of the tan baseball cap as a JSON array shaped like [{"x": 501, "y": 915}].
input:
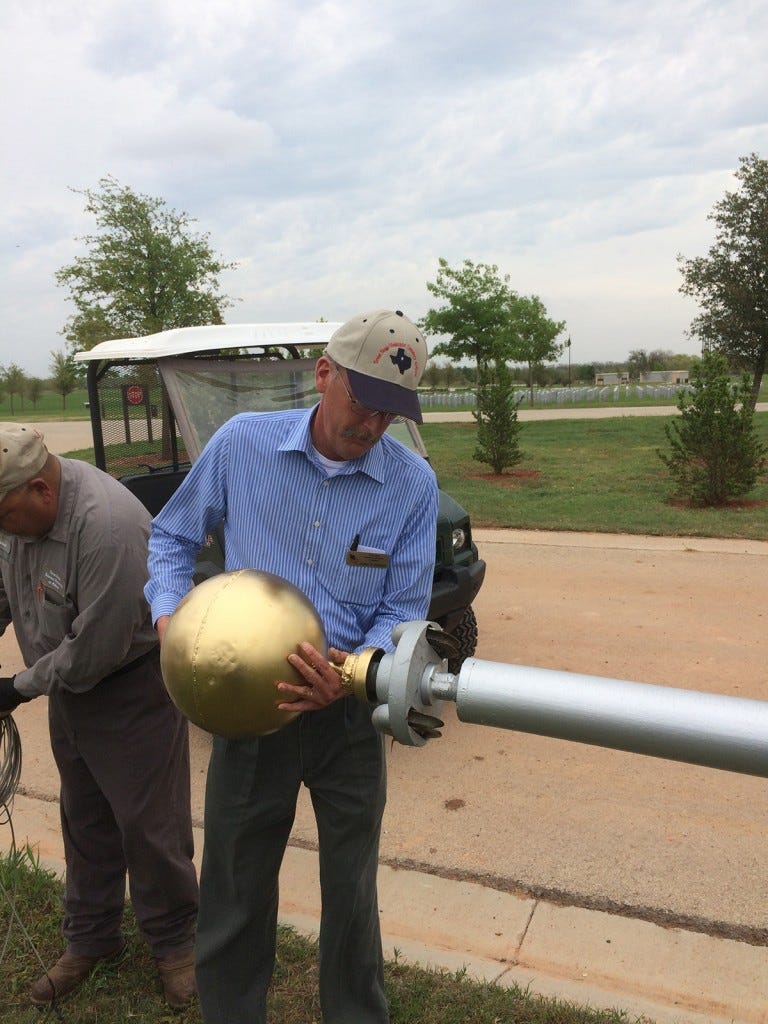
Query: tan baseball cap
[
  {"x": 22, "y": 455},
  {"x": 384, "y": 354}
]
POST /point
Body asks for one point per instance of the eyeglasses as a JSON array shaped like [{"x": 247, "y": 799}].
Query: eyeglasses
[{"x": 362, "y": 411}]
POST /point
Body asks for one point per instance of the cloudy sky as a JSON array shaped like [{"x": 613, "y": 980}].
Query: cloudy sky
[{"x": 335, "y": 150}]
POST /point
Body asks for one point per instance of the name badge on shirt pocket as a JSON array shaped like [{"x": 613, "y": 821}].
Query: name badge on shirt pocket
[{"x": 367, "y": 557}]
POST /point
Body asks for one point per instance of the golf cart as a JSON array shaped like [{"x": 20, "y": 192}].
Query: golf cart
[{"x": 156, "y": 400}]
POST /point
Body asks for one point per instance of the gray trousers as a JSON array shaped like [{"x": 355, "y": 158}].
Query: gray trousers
[
  {"x": 251, "y": 798},
  {"x": 122, "y": 750}
]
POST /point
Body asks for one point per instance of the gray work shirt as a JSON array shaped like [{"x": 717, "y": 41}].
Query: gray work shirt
[{"x": 75, "y": 596}]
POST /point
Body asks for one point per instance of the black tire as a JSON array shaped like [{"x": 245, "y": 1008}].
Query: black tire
[{"x": 466, "y": 634}]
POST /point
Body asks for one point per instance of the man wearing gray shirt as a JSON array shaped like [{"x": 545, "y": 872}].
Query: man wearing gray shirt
[{"x": 73, "y": 554}]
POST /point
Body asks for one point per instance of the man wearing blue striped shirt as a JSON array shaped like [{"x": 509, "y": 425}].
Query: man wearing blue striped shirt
[{"x": 298, "y": 492}]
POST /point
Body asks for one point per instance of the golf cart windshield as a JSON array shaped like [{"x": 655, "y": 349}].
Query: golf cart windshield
[{"x": 204, "y": 394}]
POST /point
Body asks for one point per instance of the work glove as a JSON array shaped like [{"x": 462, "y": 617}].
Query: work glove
[{"x": 10, "y": 698}]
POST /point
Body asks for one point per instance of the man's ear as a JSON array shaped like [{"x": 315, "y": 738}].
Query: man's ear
[
  {"x": 324, "y": 371},
  {"x": 41, "y": 490}
]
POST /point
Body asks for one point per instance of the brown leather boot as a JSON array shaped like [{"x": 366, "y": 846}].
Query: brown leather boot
[
  {"x": 66, "y": 975},
  {"x": 177, "y": 973}
]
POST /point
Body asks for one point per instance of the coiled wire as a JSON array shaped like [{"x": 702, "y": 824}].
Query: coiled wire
[
  {"x": 10, "y": 760},
  {"x": 10, "y": 773}
]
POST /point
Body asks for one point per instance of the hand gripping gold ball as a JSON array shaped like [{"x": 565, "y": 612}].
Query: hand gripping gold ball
[{"x": 226, "y": 645}]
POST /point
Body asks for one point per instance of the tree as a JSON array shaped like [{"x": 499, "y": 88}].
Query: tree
[
  {"x": 638, "y": 362},
  {"x": 144, "y": 271},
  {"x": 14, "y": 379},
  {"x": 529, "y": 336},
  {"x": 476, "y": 312},
  {"x": 64, "y": 376},
  {"x": 715, "y": 453},
  {"x": 34, "y": 388},
  {"x": 476, "y": 309},
  {"x": 731, "y": 282},
  {"x": 489, "y": 323},
  {"x": 498, "y": 428}
]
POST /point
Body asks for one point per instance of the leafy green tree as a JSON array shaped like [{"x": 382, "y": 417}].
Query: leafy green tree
[
  {"x": 529, "y": 336},
  {"x": 498, "y": 429},
  {"x": 33, "y": 388},
  {"x": 64, "y": 375},
  {"x": 584, "y": 372},
  {"x": 638, "y": 362},
  {"x": 487, "y": 322},
  {"x": 475, "y": 310},
  {"x": 731, "y": 281},
  {"x": 431, "y": 376},
  {"x": 715, "y": 453},
  {"x": 14, "y": 380},
  {"x": 144, "y": 270},
  {"x": 477, "y": 301}
]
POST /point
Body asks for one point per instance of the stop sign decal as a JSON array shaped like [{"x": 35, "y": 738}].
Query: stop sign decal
[{"x": 135, "y": 394}]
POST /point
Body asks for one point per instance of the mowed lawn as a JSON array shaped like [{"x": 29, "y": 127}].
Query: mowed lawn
[{"x": 590, "y": 475}]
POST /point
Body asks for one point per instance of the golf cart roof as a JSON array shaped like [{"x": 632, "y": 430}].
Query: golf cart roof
[{"x": 186, "y": 340}]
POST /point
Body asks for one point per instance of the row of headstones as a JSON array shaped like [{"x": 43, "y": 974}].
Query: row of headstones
[{"x": 559, "y": 396}]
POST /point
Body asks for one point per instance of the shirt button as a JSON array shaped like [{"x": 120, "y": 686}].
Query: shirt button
[
  {"x": 325, "y": 483},
  {"x": 316, "y": 523},
  {"x": 310, "y": 561}
]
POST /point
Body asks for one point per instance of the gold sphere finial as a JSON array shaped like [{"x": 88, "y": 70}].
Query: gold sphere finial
[{"x": 226, "y": 645}]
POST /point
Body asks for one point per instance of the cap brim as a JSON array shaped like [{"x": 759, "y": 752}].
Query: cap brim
[{"x": 385, "y": 396}]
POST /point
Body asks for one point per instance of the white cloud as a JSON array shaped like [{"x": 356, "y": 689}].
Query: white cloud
[{"x": 337, "y": 149}]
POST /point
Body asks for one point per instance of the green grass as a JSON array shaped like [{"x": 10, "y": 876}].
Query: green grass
[
  {"x": 49, "y": 406},
  {"x": 587, "y": 475},
  {"x": 130, "y": 990}
]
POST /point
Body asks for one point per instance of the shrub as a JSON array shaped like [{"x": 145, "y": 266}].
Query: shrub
[
  {"x": 715, "y": 453},
  {"x": 497, "y": 424}
]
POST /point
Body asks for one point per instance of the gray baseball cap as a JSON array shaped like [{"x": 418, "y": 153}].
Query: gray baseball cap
[
  {"x": 22, "y": 455},
  {"x": 384, "y": 354}
]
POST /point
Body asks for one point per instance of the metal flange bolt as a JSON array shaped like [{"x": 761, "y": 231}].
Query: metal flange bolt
[{"x": 399, "y": 684}]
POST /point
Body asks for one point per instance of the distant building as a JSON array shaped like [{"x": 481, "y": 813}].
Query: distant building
[
  {"x": 611, "y": 378},
  {"x": 664, "y": 377}
]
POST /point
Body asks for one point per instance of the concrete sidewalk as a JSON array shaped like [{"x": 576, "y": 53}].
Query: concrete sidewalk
[{"x": 595, "y": 959}]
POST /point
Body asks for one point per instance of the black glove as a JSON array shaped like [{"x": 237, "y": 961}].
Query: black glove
[{"x": 10, "y": 698}]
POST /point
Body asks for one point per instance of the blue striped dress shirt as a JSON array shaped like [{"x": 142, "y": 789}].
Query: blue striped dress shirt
[{"x": 282, "y": 513}]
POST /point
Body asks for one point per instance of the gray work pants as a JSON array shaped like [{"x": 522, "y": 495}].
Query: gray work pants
[
  {"x": 122, "y": 750},
  {"x": 251, "y": 798}
]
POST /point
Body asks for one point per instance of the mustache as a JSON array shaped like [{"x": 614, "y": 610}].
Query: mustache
[{"x": 358, "y": 434}]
